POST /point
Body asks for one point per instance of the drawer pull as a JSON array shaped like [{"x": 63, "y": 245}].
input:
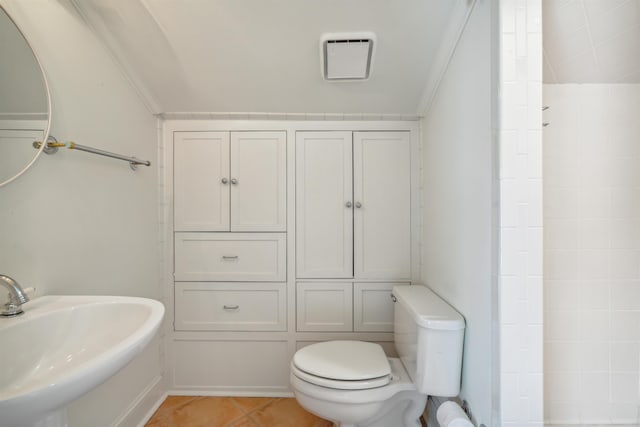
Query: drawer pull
[
  {"x": 231, "y": 307},
  {"x": 228, "y": 257}
]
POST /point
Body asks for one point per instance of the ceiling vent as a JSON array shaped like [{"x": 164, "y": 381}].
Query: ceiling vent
[{"x": 347, "y": 56}]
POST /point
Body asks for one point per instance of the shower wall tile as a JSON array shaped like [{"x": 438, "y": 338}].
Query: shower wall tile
[
  {"x": 594, "y": 357},
  {"x": 625, "y": 233},
  {"x": 623, "y": 412},
  {"x": 562, "y": 294},
  {"x": 625, "y": 295},
  {"x": 594, "y": 202},
  {"x": 591, "y": 253},
  {"x": 624, "y": 357},
  {"x": 562, "y": 412},
  {"x": 594, "y": 295}
]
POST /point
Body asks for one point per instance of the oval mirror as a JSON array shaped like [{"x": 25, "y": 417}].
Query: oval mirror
[{"x": 25, "y": 107}]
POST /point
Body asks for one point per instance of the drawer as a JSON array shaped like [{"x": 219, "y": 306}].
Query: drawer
[
  {"x": 243, "y": 257},
  {"x": 230, "y": 306},
  {"x": 324, "y": 306},
  {"x": 373, "y": 307}
]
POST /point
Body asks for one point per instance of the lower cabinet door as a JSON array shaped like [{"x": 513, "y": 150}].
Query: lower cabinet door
[
  {"x": 324, "y": 306},
  {"x": 230, "y": 306},
  {"x": 228, "y": 367},
  {"x": 373, "y": 306}
]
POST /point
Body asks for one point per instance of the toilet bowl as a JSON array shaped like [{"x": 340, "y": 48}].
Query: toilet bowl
[
  {"x": 354, "y": 384},
  {"x": 372, "y": 407}
]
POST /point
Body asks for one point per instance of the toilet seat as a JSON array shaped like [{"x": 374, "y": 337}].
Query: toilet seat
[{"x": 343, "y": 365}]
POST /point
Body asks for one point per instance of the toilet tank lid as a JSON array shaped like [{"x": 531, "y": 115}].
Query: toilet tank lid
[{"x": 428, "y": 309}]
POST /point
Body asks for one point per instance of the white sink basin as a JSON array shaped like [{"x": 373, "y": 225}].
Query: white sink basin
[{"x": 64, "y": 346}]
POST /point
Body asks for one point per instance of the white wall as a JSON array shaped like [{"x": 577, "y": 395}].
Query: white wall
[
  {"x": 79, "y": 223},
  {"x": 457, "y": 252},
  {"x": 592, "y": 253}
]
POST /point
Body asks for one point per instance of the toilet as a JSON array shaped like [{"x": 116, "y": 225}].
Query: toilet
[{"x": 354, "y": 384}]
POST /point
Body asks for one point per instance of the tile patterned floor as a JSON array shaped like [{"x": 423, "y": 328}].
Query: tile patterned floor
[{"x": 194, "y": 411}]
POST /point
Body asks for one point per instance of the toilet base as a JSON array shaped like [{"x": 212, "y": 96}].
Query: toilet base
[
  {"x": 398, "y": 404},
  {"x": 406, "y": 407},
  {"x": 403, "y": 410}
]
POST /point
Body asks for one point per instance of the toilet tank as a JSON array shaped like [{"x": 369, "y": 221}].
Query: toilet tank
[{"x": 428, "y": 335}]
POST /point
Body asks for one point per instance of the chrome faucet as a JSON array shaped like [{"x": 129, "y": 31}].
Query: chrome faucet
[{"x": 17, "y": 297}]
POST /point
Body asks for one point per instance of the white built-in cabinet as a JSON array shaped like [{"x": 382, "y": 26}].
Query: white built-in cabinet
[
  {"x": 229, "y": 181},
  {"x": 248, "y": 290},
  {"x": 353, "y": 205},
  {"x": 353, "y": 221}
]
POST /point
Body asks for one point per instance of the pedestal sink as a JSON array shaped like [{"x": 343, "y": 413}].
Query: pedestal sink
[{"x": 64, "y": 346}]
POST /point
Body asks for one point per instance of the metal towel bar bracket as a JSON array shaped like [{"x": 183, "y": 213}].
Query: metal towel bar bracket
[{"x": 53, "y": 145}]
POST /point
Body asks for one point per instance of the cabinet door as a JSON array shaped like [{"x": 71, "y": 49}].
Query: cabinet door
[
  {"x": 382, "y": 214},
  {"x": 228, "y": 366},
  {"x": 324, "y": 306},
  {"x": 258, "y": 181},
  {"x": 201, "y": 181},
  {"x": 324, "y": 216}
]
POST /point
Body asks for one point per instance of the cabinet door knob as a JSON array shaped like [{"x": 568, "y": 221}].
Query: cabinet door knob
[
  {"x": 234, "y": 181},
  {"x": 225, "y": 181},
  {"x": 358, "y": 205},
  {"x": 228, "y": 257},
  {"x": 231, "y": 307},
  {"x": 348, "y": 204}
]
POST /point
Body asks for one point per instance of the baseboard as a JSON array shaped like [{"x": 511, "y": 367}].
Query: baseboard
[
  {"x": 229, "y": 393},
  {"x": 154, "y": 408},
  {"x": 143, "y": 407}
]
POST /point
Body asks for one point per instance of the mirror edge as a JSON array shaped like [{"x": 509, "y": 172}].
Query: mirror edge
[{"x": 48, "y": 95}]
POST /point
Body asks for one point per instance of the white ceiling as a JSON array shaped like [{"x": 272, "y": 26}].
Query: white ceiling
[
  {"x": 264, "y": 56},
  {"x": 591, "y": 41},
  {"x": 257, "y": 56}
]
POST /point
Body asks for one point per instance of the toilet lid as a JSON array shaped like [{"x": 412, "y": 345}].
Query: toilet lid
[{"x": 343, "y": 360}]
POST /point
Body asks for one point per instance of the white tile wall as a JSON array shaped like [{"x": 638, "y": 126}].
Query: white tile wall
[
  {"x": 521, "y": 327},
  {"x": 592, "y": 253},
  {"x": 592, "y": 41}
]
